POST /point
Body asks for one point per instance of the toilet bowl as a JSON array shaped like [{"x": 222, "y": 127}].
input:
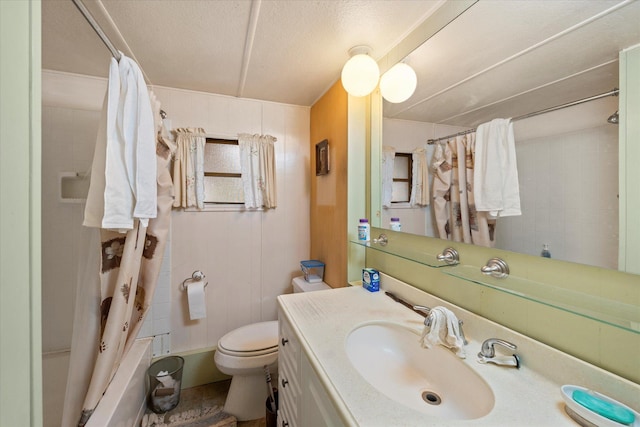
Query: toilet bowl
[{"x": 244, "y": 352}]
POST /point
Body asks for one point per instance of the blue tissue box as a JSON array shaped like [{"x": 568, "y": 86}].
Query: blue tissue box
[{"x": 371, "y": 279}]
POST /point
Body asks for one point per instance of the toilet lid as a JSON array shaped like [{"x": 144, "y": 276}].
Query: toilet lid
[{"x": 251, "y": 338}]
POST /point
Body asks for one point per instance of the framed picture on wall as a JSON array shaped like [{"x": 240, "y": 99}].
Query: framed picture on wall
[{"x": 322, "y": 157}]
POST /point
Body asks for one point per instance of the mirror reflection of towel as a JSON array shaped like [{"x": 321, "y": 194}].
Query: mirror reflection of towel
[{"x": 495, "y": 176}]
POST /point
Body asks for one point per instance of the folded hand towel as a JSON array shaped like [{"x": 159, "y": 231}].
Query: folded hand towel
[{"x": 444, "y": 330}]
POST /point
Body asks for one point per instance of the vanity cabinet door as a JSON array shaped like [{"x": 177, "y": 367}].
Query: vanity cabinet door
[
  {"x": 288, "y": 376},
  {"x": 302, "y": 400},
  {"x": 317, "y": 409}
]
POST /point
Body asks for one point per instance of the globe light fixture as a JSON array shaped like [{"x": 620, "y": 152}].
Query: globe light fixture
[
  {"x": 361, "y": 72},
  {"x": 398, "y": 84}
]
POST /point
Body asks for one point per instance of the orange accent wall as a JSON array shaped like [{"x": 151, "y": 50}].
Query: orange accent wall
[{"x": 329, "y": 192}]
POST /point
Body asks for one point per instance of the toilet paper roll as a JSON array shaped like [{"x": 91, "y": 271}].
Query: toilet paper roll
[{"x": 195, "y": 296}]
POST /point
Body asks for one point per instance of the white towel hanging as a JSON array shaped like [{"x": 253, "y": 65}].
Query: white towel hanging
[{"x": 495, "y": 176}]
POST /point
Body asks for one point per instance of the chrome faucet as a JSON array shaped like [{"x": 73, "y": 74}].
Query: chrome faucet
[{"x": 487, "y": 353}]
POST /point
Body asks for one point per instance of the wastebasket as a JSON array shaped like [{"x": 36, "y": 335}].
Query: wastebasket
[
  {"x": 165, "y": 377},
  {"x": 272, "y": 416}
]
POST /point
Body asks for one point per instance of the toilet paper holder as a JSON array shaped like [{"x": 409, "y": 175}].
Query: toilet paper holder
[{"x": 196, "y": 276}]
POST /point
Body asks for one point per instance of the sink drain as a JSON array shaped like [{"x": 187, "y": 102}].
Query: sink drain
[{"x": 431, "y": 398}]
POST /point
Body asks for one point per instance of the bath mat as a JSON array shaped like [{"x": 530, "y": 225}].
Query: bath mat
[{"x": 206, "y": 416}]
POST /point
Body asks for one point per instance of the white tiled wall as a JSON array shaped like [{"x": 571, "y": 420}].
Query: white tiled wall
[
  {"x": 568, "y": 173},
  {"x": 157, "y": 324}
]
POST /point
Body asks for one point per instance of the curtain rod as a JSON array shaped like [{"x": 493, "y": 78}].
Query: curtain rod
[
  {"x": 613, "y": 92},
  {"x": 96, "y": 27}
]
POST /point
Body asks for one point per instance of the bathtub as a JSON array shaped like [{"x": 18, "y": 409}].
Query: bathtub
[{"x": 124, "y": 402}]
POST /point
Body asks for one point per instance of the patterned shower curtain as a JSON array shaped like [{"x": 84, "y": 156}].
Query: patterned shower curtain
[
  {"x": 130, "y": 266},
  {"x": 453, "y": 201}
]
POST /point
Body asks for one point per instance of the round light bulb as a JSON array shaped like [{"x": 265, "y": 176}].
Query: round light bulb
[
  {"x": 360, "y": 75},
  {"x": 399, "y": 83}
]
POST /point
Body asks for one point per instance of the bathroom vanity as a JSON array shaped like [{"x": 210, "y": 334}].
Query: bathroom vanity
[
  {"x": 322, "y": 383},
  {"x": 301, "y": 395}
]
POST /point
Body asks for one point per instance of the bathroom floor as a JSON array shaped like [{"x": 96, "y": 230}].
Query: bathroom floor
[{"x": 200, "y": 407}]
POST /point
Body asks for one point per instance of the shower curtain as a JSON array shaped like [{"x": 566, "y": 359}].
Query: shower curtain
[
  {"x": 129, "y": 268},
  {"x": 115, "y": 295},
  {"x": 453, "y": 201}
]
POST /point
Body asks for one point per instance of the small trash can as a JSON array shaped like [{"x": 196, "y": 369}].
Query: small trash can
[
  {"x": 272, "y": 416},
  {"x": 165, "y": 377}
]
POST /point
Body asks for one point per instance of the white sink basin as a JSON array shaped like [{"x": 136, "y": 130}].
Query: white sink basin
[{"x": 433, "y": 381}]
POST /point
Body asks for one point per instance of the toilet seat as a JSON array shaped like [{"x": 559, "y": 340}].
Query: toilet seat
[{"x": 251, "y": 340}]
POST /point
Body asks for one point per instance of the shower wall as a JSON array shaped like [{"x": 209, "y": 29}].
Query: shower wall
[{"x": 568, "y": 173}]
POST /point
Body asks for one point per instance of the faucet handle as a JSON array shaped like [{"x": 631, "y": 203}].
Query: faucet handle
[
  {"x": 426, "y": 310},
  {"x": 489, "y": 351}
]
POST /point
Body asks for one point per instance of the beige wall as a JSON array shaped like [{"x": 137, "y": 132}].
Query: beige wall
[{"x": 329, "y": 192}]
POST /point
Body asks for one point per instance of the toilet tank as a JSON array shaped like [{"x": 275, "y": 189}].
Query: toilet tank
[{"x": 301, "y": 285}]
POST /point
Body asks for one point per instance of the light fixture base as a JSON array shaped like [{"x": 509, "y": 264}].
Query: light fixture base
[{"x": 360, "y": 50}]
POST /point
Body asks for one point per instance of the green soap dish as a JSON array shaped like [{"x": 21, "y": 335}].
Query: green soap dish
[{"x": 599, "y": 409}]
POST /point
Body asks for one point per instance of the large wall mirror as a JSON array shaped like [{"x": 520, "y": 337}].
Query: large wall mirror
[{"x": 508, "y": 59}]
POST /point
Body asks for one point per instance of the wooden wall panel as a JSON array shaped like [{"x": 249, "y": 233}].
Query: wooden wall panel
[{"x": 329, "y": 239}]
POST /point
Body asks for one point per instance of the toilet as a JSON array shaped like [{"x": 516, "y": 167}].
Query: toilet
[{"x": 243, "y": 353}]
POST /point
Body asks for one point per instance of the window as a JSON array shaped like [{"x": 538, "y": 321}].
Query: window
[
  {"x": 402, "y": 175},
  {"x": 222, "y": 174}
]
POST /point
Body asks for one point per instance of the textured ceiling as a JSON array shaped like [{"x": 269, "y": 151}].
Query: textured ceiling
[
  {"x": 510, "y": 58},
  {"x": 500, "y": 58},
  {"x": 283, "y": 51}
]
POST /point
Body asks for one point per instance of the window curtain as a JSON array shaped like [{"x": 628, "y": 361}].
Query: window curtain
[
  {"x": 188, "y": 168},
  {"x": 420, "y": 178},
  {"x": 258, "y": 168},
  {"x": 388, "y": 157}
]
